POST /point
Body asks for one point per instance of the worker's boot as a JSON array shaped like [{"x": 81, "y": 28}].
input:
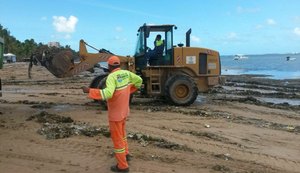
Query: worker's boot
[
  {"x": 128, "y": 157},
  {"x": 117, "y": 169}
]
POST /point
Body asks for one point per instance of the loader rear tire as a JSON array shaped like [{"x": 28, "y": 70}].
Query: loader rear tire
[
  {"x": 99, "y": 82},
  {"x": 181, "y": 90}
]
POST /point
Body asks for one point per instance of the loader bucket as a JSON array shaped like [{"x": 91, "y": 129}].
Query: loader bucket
[{"x": 60, "y": 63}]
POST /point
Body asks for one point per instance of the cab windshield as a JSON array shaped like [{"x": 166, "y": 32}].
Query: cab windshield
[{"x": 140, "y": 47}]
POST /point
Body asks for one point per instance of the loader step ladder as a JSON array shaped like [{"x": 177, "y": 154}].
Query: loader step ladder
[{"x": 155, "y": 81}]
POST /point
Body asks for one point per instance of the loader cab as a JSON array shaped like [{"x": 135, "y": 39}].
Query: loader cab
[{"x": 145, "y": 41}]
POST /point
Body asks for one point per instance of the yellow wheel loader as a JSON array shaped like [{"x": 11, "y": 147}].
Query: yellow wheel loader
[{"x": 178, "y": 74}]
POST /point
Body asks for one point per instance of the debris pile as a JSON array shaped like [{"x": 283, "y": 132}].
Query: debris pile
[
  {"x": 145, "y": 140},
  {"x": 57, "y": 127}
]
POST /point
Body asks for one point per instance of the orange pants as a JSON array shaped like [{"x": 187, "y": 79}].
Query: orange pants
[{"x": 118, "y": 136}]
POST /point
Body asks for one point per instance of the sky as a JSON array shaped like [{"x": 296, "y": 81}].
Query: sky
[{"x": 228, "y": 26}]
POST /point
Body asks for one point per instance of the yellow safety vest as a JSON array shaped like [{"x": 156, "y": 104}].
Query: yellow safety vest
[
  {"x": 158, "y": 42},
  {"x": 119, "y": 85}
]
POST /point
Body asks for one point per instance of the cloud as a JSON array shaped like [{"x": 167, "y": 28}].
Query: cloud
[
  {"x": 297, "y": 31},
  {"x": 119, "y": 29},
  {"x": 195, "y": 39},
  {"x": 121, "y": 39},
  {"x": 240, "y": 9},
  {"x": 67, "y": 36},
  {"x": 62, "y": 24},
  {"x": 232, "y": 36},
  {"x": 271, "y": 22},
  {"x": 297, "y": 19}
]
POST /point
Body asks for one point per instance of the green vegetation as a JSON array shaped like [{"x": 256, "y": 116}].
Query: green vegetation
[{"x": 23, "y": 50}]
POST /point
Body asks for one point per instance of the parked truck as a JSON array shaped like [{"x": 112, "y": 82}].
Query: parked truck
[{"x": 179, "y": 75}]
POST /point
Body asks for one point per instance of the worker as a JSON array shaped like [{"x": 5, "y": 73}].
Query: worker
[
  {"x": 119, "y": 85},
  {"x": 153, "y": 55}
]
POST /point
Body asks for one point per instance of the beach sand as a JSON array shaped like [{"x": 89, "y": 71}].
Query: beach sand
[{"x": 48, "y": 125}]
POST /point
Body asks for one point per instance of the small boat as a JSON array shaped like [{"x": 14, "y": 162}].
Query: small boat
[
  {"x": 239, "y": 57},
  {"x": 290, "y": 59}
]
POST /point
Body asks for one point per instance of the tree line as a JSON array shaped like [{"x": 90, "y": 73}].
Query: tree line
[{"x": 23, "y": 50}]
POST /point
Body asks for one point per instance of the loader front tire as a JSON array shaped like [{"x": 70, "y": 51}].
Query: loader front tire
[
  {"x": 100, "y": 83},
  {"x": 181, "y": 90}
]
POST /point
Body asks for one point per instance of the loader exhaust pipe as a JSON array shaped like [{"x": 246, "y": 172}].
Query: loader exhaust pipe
[{"x": 187, "y": 37}]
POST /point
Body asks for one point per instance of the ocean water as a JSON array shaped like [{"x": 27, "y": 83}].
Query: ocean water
[{"x": 275, "y": 66}]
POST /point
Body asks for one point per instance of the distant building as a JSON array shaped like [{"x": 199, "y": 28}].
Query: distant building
[
  {"x": 9, "y": 58},
  {"x": 54, "y": 44}
]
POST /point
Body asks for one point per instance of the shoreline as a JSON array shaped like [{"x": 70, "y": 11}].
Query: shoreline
[{"x": 260, "y": 91}]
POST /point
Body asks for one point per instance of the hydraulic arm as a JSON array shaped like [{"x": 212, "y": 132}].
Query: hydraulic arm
[{"x": 64, "y": 63}]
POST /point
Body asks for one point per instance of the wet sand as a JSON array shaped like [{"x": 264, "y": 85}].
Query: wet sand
[{"x": 250, "y": 124}]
